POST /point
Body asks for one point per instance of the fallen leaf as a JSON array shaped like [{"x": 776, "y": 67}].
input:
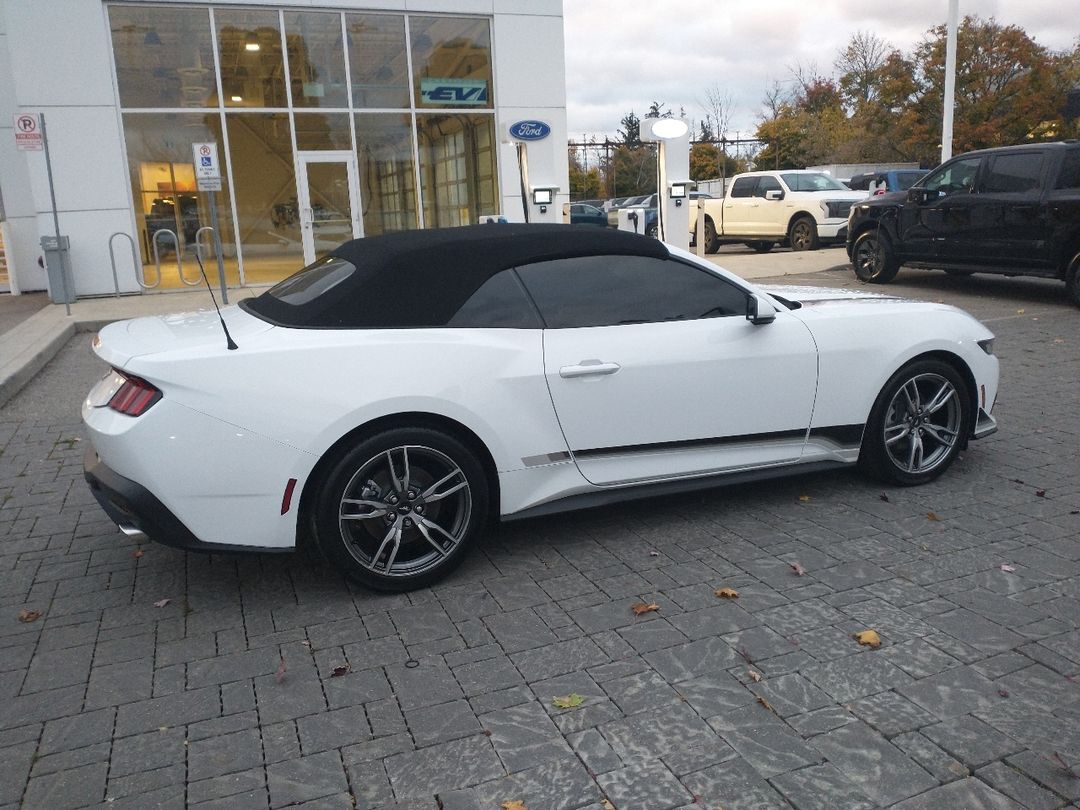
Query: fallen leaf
[
  {"x": 338, "y": 671},
  {"x": 279, "y": 676},
  {"x": 1019, "y": 312},
  {"x": 883, "y": 497},
  {"x": 516, "y": 804},
  {"x": 766, "y": 704},
  {"x": 162, "y": 602},
  {"x": 804, "y": 498},
  {"x": 1058, "y": 340},
  {"x": 868, "y": 638},
  {"x": 1008, "y": 569},
  {"x": 640, "y": 608},
  {"x": 797, "y": 568},
  {"x": 745, "y": 655},
  {"x": 1003, "y": 692},
  {"x": 755, "y": 676},
  {"x": 959, "y": 768},
  {"x": 727, "y": 593},
  {"x": 1040, "y": 493},
  {"x": 571, "y": 701},
  {"x": 682, "y": 698},
  {"x": 932, "y": 516},
  {"x": 654, "y": 553},
  {"x": 137, "y": 553},
  {"x": 606, "y": 804},
  {"x": 306, "y": 643},
  {"x": 26, "y": 616}
]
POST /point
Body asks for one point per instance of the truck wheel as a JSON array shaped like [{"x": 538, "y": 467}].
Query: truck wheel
[
  {"x": 712, "y": 241},
  {"x": 873, "y": 259},
  {"x": 803, "y": 234},
  {"x": 760, "y": 247},
  {"x": 652, "y": 231},
  {"x": 1072, "y": 280}
]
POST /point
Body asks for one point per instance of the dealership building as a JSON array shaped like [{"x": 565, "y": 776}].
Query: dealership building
[{"x": 276, "y": 131}]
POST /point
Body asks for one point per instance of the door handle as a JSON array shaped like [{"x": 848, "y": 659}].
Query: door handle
[{"x": 589, "y": 368}]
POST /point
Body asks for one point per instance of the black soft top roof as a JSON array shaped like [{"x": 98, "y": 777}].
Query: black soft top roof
[{"x": 421, "y": 278}]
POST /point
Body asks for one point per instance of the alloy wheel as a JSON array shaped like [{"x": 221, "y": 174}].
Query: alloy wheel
[
  {"x": 922, "y": 423},
  {"x": 405, "y": 510}
]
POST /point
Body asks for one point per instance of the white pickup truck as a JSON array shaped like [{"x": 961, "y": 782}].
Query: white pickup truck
[{"x": 797, "y": 207}]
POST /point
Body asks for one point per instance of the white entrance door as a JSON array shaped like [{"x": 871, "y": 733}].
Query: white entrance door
[{"x": 328, "y": 190}]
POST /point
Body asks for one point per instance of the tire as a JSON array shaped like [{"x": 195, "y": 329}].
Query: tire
[
  {"x": 761, "y": 246},
  {"x": 712, "y": 241},
  {"x": 1072, "y": 280},
  {"x": 873, "y": 259},
  {"x": 653, "y": 231},
  {"x": 400, "y": 509},
  {"x": 802, "y": 235},
  {"x": 918, "y": 425}
]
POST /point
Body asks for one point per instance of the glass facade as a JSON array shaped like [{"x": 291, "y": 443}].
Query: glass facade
[{"x": 327, "y": 124}]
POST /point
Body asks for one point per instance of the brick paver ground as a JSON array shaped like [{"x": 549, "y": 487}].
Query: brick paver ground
[{"x": 971, "y": 702}]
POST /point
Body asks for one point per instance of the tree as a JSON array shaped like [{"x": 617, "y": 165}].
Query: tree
[
  {"x": 717, "y": 108},
  {"x": 656, "y": 110},
  {"x": 859, "y": 65},
  {"x": 630, "y": 134}
]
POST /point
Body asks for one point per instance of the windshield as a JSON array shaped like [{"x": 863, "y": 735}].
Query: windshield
[{"x": 811, "y": 181}]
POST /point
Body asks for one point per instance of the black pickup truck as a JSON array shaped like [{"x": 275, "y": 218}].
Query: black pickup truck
[{"x": 1013, "y": 210}]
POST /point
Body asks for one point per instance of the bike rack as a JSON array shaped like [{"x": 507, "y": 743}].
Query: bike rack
[
  {"x": 214, "y": 243},
  {"x": 179, "y": 258},
  {"x": 134, "y": 261}
]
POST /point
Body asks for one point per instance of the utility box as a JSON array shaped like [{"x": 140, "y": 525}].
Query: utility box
[{"x": 58, "y": 266}]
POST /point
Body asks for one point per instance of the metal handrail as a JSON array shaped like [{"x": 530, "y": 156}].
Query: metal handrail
[{"x": 134, "y": 263}]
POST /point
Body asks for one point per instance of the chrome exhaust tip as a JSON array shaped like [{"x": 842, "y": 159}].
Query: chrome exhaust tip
[{"x": 134, "y": 532}]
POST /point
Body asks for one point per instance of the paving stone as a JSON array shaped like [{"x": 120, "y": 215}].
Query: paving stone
[
  {"x": 594, "y": 751},
  {"x": 977, "y": 631},
  {"x": 67, "y": 760},
  {"x": 821, "y": 787},
  {"x": 560, "y": 658},
  {"x": 489, "y": 675},
  {"x": 648, "y": 735},
  {"x": 716, "y": 619},
  {"x": 919, "y": 658},
  {"x": 791, "y": 694},
  {"x": 561, "y": 784},
  {"x": 891, "y": 713},
  {"x": 734, "y": 785},
  {"x": 524, "y": 736},
  {"x": 821, "y": 720},
  {"x": 651, "y": 786},
  {"x": 971, "y": 794},
  {"x": 333, "y": 729},
  {"x": 446, "y": 721},
  {"x": 519, "y": 630},
  {"x": 856, "y": 676},
  {"x": 15, "y": 766},
  {"x": 874, "y": 766},
  {"x": 763, "y": 740},
  {"x": 1018, "y": 787},
  {"x": 939, "y": 763},
  {"x": 714, "y": 694},
  {"x": 313, "y": 777},
  {"x": 693, "y": 659},
  {"x": 972, "y": 741},
  {"x": 77, "y": 731},
  {"x": 148, "y": 781},
  {"x": 237, "y": 785},
  {"x": 171, "y": 710},
  {"x": 1047, "y": 773},
  {"x": 952, "y": 693},
  {"x": 67, "y": 789},
  {"x": 296, "y": 696},
  {"x": 143, "y": 752},
  {"x": 448, "y": 766}
]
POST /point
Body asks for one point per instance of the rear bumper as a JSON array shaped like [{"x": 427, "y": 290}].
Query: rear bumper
[{"x": 139, "y": 513}]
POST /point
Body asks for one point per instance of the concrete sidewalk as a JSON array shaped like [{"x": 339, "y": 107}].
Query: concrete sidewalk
[{"x": 27, "y": 347}]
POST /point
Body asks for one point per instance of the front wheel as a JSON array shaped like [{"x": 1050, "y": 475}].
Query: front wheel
[
  {"x": 652, "y": 231},
  {"x": 400, "y": 509},
  {"x": 802, "y": 235},
  {"x": 712, "y": 241},
  {"x": 873, "y": 259},
  {"x": 918, "y": 424},
  {"x": 1072, "y": 280}
]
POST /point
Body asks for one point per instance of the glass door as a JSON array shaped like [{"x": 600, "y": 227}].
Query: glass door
[{"x": 329, "y": 199}]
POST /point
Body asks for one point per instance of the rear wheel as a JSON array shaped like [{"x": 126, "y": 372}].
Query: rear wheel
[
  {"x": 760, "y": 246},
  {"x": 1072, "y": 280},
  {"x": 712, "y": 241},
  {"x": 873, "y": 259},
  {"x": 400, "y": 509},
  {"x": 918, "y": 424},
  {"x": 802, "y": 235}
]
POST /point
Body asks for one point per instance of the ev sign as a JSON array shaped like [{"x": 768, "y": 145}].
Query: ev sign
[
  {"x": 28, "y": 133},
  {"x": 207, "y": 168}
]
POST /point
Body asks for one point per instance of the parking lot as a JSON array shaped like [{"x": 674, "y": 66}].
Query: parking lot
[{"x": 155, "y": 678}]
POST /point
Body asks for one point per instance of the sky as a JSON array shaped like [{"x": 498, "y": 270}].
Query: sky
[{"x": 623, "y": 54}]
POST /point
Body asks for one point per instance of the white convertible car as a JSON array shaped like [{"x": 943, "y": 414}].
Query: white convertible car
[{"x": 396, "y": 395}]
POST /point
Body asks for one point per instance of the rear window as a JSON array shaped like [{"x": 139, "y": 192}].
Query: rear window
[
  {"x": 743, "y": 187},
  {"x": 316, "y": 279},
  {"x": 1014, "y": 172},
  {"x": 1070, "y": 170}
]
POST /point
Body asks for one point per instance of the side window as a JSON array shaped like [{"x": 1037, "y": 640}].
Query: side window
[
  {"x": 1013, "y": 172},
  {"x": 743, "y": 187},
  {"x": 1070, "y": 170},
  {"x": 617, "y": 290},
  {"x": 767, "y": 183},
  {"x": 957, "y": 176},
  {"x": 499, "y": 303}
]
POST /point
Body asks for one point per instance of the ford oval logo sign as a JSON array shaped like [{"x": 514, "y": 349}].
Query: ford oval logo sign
[{"x": 530, "y": 130}]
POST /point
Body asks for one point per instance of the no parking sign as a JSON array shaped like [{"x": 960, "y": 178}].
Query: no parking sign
[{"x": 207, "y": 168}]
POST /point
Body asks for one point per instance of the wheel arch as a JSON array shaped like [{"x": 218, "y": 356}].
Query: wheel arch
[
  {"x": 409, "y": 419},
  {"x": 797, "y": 216},
  {"x": 1069, "y": 251}
]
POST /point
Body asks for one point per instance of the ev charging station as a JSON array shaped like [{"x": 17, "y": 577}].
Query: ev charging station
[
  {"x": 538, "y": 193},
  {"x": 672, "y": 136}
]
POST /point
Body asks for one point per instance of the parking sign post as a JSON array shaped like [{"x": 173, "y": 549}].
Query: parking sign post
[{"x": 208, "y": 179}]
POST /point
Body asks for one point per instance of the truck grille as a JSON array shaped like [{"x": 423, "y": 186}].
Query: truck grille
[{"x": 839, "y": 209}]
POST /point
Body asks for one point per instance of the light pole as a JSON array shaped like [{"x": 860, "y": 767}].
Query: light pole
[{"x": 950, "y": 80}]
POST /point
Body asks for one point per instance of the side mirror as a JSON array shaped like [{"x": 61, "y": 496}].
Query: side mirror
[
  {"x": 921, "y": 196},
  {"x": 758, "y": 310},
  {"x": 774, "y": 194}
]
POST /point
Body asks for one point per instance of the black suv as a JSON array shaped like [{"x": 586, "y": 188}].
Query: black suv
[{"x": 1013, "y": 210}]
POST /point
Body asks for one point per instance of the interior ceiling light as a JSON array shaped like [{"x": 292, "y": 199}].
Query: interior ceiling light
[
  {"x": 237, "y": 98},
  {"x": 252, "y": 42}
]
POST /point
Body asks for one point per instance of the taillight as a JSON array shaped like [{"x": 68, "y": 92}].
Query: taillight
[{"x": 134, "y": 397}]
